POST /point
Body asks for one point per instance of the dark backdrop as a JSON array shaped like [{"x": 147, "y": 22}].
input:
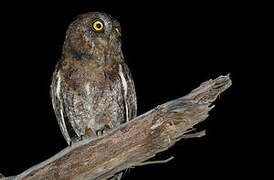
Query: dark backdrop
[{"x": 170, "y": 50}]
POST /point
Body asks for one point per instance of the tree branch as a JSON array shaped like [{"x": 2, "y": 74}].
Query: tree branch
[{"x": 134, "y": 142}]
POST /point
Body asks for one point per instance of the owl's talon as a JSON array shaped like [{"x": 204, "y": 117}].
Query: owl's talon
[
  {"x": 82, "y": 137},
  {"x": 102, "y": 131},
  {"x": 99, "y": 133}
]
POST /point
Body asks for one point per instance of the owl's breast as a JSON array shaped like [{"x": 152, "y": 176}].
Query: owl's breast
[
  {"x": 93, "y": 98},
  {"x": 104, "y": 100}
]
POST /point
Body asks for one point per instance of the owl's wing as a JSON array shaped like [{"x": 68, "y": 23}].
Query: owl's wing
[
  {"x": 69, "y": 109},
  {"x": 128, "y": 92},
  {"x": 57, "y": 103}
]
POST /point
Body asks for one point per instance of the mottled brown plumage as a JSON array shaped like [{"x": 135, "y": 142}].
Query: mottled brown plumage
[{"x": 92, "y": 88}]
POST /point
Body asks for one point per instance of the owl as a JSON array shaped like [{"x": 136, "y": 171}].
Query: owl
[{"x": 92, "y": 88}]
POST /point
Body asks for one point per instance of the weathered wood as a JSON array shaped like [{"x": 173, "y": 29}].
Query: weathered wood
[{"x": 134, "y": 142}]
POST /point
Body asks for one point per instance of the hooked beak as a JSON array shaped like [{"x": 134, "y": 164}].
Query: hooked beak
[
  {"x": 117, "y": 31},
  {"x": 115, "y": 35}
]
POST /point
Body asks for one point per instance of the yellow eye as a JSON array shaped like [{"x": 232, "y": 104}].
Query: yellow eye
[{"x": 98, "y": 26}]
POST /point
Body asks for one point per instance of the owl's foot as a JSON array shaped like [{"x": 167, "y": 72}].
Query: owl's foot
[{"x": 103, "y": 131}]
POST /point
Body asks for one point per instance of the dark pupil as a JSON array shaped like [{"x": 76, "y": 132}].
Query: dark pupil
[{"x": 98, "y": 26}]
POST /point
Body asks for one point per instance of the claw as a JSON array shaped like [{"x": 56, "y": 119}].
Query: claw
[
  {"x": 99, "y": 133},
  {"x": 102, "y": 131}
]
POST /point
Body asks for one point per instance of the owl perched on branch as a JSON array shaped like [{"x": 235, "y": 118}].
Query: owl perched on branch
[{"x": 92, "y": 88}]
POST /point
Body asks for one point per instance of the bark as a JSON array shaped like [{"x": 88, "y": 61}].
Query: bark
[{"x": 134, "y": 142}]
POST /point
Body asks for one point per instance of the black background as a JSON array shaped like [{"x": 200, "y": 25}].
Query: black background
[{"x": 170, "y": 50}]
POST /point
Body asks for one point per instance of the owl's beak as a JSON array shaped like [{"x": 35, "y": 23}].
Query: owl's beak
[
  {"x": 115, "y": 35},
  {"x": 117, "y": 31}
]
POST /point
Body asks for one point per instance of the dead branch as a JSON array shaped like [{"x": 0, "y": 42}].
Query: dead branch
[{"x": 132, "y": 143}]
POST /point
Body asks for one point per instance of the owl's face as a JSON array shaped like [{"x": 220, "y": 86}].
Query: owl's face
[{"x": 93, "y": 30}]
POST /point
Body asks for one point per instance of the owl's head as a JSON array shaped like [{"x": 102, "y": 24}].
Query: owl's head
[{"x": 93, "y": 34}]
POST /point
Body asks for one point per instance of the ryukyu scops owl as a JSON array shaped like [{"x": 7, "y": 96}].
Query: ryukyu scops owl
[{"x": 92, "y": 89}]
